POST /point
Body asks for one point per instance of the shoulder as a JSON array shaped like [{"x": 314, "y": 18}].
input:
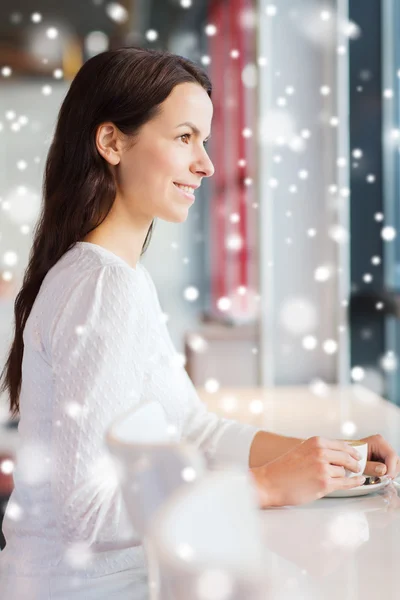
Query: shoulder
[
  {"x": 107, "y": 283},
  {"x": 108, "y": 294},
  {"x": 86, "y": 271},
  {"x": 116, "y": 278}
]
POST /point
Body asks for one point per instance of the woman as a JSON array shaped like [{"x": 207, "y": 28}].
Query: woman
[{"x": 90, "y": 342}]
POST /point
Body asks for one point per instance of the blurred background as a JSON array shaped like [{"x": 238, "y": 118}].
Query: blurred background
[{"x": 287, "y": 269}]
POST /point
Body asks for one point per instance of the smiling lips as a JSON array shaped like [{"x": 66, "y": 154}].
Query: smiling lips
[{"x": 189, "y": 189}]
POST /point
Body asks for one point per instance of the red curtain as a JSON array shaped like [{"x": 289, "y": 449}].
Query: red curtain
[{"x": 233, "y": 214}]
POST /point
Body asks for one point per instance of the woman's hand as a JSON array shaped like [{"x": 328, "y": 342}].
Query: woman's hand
[
  {"x": 382, "y": 459},
  {"x": 307, "y": 472}
]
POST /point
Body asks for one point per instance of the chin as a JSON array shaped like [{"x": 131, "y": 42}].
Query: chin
[{"x": 178, "y": 216}]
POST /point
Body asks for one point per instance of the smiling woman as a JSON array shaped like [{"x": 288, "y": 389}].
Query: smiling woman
[
  {"x": 89, "y": 339},
  {"x": 146, "y": 170},
  {"x": 112, "y": 166},
  {"x": 91, "y": 343}
]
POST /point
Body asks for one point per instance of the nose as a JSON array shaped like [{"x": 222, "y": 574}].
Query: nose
[{"x": 204, "y": 166}]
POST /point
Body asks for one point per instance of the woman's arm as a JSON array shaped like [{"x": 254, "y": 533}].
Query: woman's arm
[
  {"x": 269, "y": 446},
  {"x": 227, "y": 441}
]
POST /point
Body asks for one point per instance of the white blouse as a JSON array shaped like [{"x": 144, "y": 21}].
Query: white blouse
[{"x": 95, "y": 346}]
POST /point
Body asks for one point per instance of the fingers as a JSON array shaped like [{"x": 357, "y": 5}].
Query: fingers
[
  {"x": 346, "y": 483},
  {"x": 381, "y": 450},
  {"x": 375, "y": 468},
  {"x": 391, "y": 461},
  {"x": 336, "y": 471},
  {"x": 339, "y": 445},
  {"x": 341, "y": 459}
]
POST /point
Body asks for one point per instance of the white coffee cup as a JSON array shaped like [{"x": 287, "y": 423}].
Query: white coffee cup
[{"x": 362, "y": 449}]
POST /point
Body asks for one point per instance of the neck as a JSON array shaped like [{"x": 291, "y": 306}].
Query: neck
[{"x": 121, "y": 236}]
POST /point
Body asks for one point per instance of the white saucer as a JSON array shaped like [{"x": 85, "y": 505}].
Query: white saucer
[{"x": 361, "y": 490}]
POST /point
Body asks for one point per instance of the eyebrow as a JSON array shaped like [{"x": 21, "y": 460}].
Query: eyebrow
[{"x": 196, "y": 130}]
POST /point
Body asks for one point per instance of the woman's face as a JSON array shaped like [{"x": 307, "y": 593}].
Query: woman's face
[{"x": 168, "y": 151}]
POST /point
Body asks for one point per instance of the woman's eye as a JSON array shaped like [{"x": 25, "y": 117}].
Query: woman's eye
[{"x": 188, "y": 136}]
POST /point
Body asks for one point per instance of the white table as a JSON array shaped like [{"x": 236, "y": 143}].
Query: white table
[
  {"x": 299, "y": 412},
  {"x": 331, "y": 549}
]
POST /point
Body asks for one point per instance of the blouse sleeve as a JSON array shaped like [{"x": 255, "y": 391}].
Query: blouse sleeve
[
  {"x": 97, "y": 347},
  {"x": 223, "y": 441}
]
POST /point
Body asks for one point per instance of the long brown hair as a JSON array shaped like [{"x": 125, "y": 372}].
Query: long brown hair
[{"x": 124, "y": 86}]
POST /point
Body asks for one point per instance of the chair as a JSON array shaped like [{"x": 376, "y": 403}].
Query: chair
[
  {"x": 151, "y": 466},
  {"x": 208, "y": 543}
]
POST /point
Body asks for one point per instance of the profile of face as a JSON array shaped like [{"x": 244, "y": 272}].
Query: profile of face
[{"x": 168, "y": 150}]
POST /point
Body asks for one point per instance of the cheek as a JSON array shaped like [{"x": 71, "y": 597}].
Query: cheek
[
  {"x": 152, "y": 169},
  {"x": 170, "y": 163},
  {"x": 135, "y": 171},
  {"x": 167, "y": 167}
]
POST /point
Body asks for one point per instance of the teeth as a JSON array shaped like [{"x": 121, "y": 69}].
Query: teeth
[{"x": 185, "y": 188}]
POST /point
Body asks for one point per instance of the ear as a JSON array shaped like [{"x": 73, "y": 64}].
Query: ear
[{"x": 108, "y": 143}]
